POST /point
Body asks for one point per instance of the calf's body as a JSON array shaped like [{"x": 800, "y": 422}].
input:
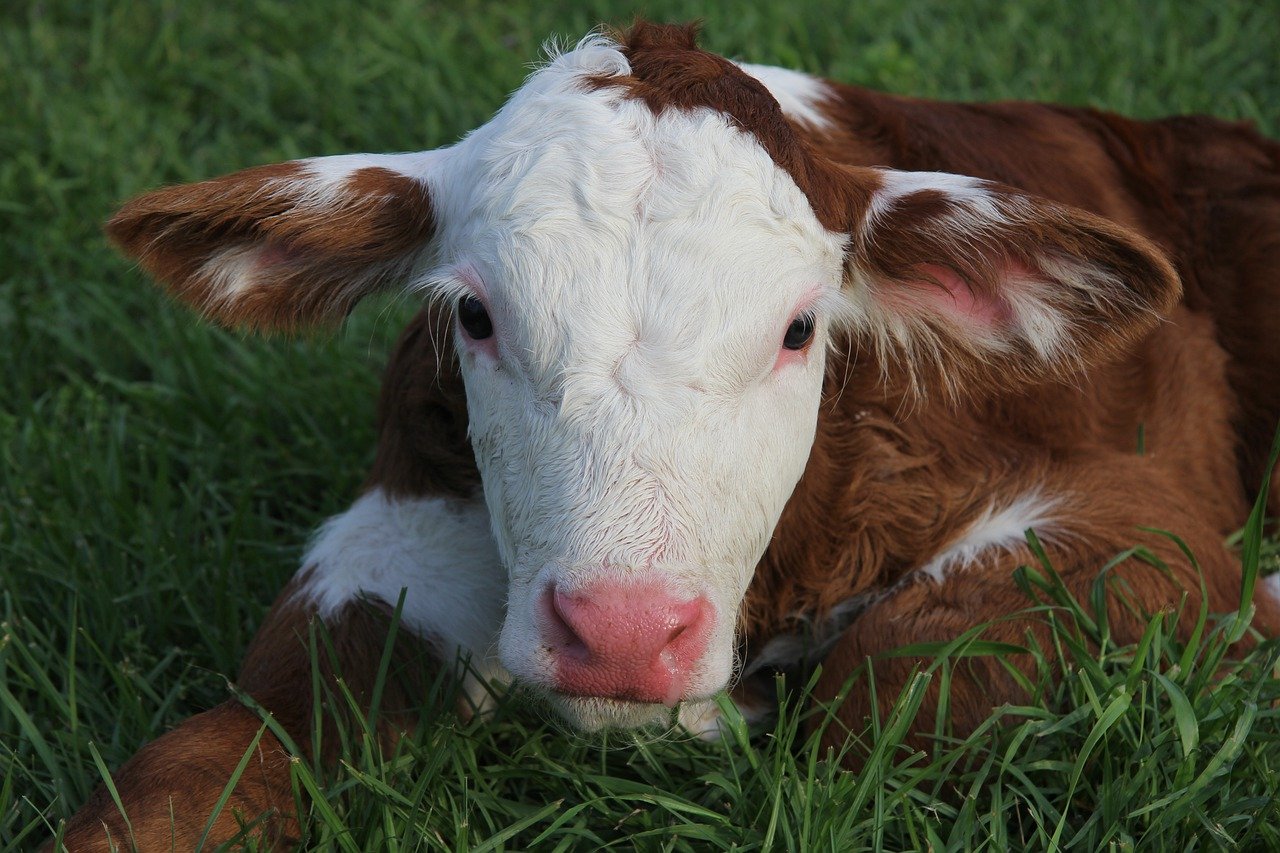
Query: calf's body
[{"x": 961, "y": 400}]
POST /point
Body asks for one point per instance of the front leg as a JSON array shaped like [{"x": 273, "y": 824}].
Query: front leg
[
  {"x": 439, "y": 551},
  {"x": 969, "y": 583}
]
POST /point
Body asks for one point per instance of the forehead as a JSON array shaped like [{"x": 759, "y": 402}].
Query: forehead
[{"x": 577, "y": 191}]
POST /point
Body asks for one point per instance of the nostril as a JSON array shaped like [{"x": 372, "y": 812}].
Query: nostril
[
  {"x": 558, "y": 609},
  {"x": 557, "y": 612}
]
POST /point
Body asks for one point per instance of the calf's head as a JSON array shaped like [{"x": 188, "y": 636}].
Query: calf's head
[{"x": 648, "y": 265}]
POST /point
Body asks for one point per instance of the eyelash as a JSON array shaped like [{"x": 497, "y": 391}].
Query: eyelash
[
  {"x": 474, "y": 319},
  {"x": 800, "y": 333}
]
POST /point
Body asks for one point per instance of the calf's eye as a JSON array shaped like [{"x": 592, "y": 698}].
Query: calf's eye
[
  {"x": 799, "y": 333},
  {"x": 474, "y": 319}
]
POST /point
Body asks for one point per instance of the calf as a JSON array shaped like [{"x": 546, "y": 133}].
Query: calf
[{"x": 699, "y": 362}]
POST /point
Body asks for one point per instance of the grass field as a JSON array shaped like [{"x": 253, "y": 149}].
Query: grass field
[{"x": 158, "y": 477}]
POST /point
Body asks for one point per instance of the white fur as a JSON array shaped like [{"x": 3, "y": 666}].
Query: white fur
[
  {"x": 704, "y": 719},
  {"x": 230, "y": 271},
  {"x": 976, "y": 202},
  {"x": 329, "y": 172},
  {"x": 1271, "y": 584},
  {"x": 800, "y": 95},
  {"x": 999, "y": 529},
  {"x": 323, "y": 183},
  {"x": 438, "y": 551}
]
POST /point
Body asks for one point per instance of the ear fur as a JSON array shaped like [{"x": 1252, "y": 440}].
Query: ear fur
[
  {"x": 284, "y": 246},
  {"x": 967, "y": 281}
]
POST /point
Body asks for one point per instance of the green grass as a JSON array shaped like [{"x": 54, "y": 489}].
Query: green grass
[{"x": 158, "y": 476}]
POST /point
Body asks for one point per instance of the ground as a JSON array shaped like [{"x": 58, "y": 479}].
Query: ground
[{"x": 158, "y": 477}]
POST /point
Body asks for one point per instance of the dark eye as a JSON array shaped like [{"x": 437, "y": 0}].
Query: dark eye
[
  {"x": 799, "y": 333},
  {"x": 474, "y": 319}
]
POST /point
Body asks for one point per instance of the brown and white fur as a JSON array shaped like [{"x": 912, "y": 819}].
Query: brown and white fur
[{"x": 630, "y": 476}]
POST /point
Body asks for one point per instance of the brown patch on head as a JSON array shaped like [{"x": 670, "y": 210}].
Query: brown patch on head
[
  {"x": 670, "y": 71},
  {"x": 275, "y": 246}
]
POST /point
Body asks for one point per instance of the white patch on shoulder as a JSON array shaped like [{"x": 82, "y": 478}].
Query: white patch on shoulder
[
  {"x": 800, "y": 95},
  {"x": 440, "y": 551},
  {"x": 996, "y": 529}
]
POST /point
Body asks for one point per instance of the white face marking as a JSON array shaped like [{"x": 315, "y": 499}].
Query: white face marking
[
  {"x": 800, "y": 95},
  {"x": 996, "y": 529},
  {"x": 632, "y": 418},
  {"x": 440, "y": 551}
]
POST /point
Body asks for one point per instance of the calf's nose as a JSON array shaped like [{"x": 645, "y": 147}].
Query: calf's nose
[{"x": 634, "y": 642}]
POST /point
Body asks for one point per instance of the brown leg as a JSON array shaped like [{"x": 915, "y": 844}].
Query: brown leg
[
  {"x": 170, "y": 788},
  {"x": 1097, "y": 528}
]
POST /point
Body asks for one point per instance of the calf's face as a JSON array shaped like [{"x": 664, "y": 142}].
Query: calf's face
[
  {"x": 646, "y": 284},
  {"x": 644, "y": 304}
]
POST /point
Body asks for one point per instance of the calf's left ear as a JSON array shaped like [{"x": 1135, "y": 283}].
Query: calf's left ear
[
  {"x": 288, "y": 245},
  {"x": 972, "y": 282}
]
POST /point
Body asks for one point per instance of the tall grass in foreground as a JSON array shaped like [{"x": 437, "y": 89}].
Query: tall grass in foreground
[
  {"x": 1158, "y": 745},
  {"x": 158, "y": 475}
]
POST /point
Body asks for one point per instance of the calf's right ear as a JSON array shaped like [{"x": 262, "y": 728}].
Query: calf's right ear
[{"x": 286, "y": 246}]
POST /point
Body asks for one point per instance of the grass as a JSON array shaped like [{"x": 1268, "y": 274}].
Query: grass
[{"x": 158, "y": 476}]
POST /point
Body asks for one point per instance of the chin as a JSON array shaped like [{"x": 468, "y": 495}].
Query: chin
[{"x": 593, "y": 714}]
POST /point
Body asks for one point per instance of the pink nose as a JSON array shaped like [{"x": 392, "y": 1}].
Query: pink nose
[{"x": 625, "y": 641}]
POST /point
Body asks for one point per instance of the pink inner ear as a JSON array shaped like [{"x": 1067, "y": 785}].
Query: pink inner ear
[{"x": 956, "y": 299}]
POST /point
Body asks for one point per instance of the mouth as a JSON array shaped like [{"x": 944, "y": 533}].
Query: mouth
[{"x": 596, "y": 714}]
